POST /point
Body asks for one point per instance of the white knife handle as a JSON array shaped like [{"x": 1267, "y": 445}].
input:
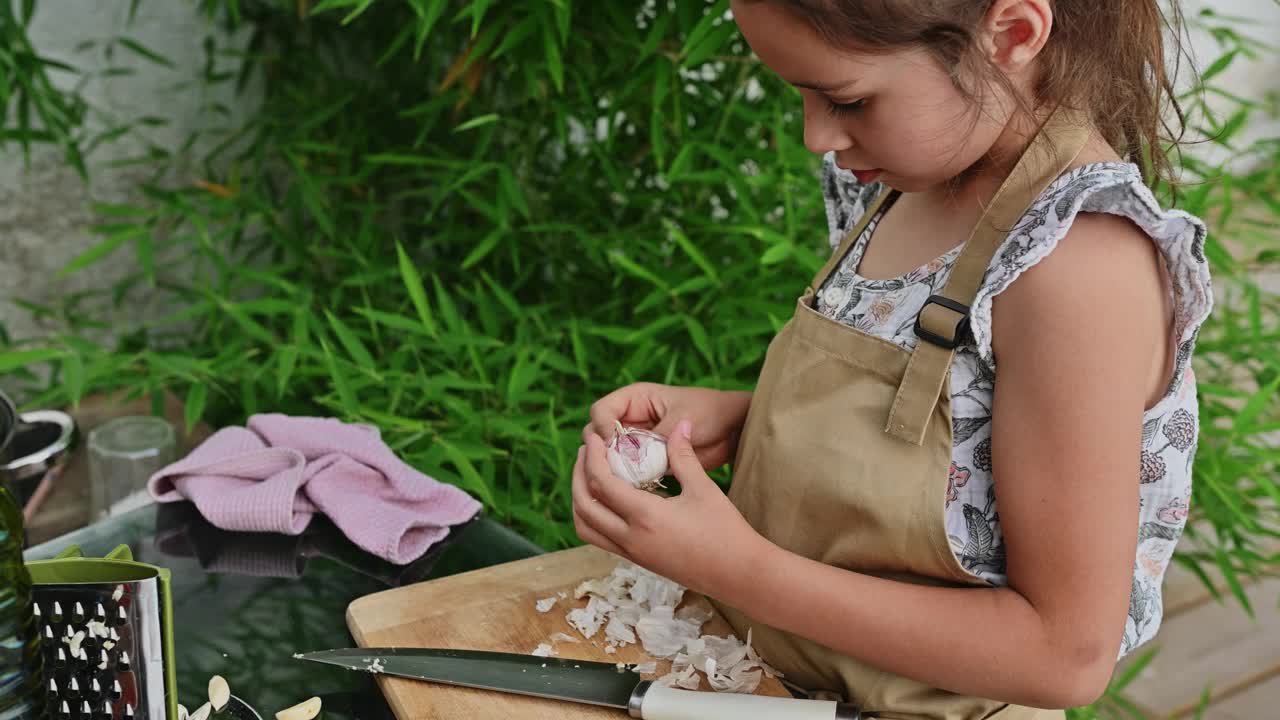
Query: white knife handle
[{"x": 658, "y": 702}]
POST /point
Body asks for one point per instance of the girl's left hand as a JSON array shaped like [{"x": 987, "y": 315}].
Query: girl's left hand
[{"x": 697, "y": 539}]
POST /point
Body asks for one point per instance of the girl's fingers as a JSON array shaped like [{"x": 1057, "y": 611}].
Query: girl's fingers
[
  {"x": 605, "y": 411},
  {"x": 591, "y": 535},
  {"x": 630, "y": 405},
  {"x": 597, "y": 514},
  {"x": 623, "y": 499}
]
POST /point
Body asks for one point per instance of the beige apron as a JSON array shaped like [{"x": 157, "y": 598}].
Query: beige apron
[{"x": 821, "y": 473}]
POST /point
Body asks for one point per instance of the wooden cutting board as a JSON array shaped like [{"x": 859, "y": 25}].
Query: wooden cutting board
[{"x": 493, "y": 609}]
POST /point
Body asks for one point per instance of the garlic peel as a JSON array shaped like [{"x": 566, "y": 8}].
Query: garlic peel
[
  {"x": 633, "y": 604},
  {"x": 638, "y": 456}
]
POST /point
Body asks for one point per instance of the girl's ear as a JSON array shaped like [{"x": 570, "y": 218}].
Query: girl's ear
[{"x": 1015, "y": 31}]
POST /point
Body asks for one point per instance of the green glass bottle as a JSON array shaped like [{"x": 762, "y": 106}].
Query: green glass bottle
[{"x": 20, "y": 660}]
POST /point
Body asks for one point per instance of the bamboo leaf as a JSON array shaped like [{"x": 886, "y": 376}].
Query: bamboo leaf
[
  {"x": 73, "y": 377},
  {"x": 711, "y": 18},
  {"x": 1121, "y": 681},
  {"x": 19, "y": 359},
  {"x": 674, "y": 232},
  {"x": 698, "y": 334},
  {"x": 657, "y": 116},
  {"x": 340, "y": 382},
  {"x": 620, "y": 259},
  {"x": 477, "y": 122},
  {"x": 1260, "y": 400},
  {"x": 504, "y": 297},
  {"x": 146, "y": 53},
  {"x": 776, "y": 254},
  {"x": 393, "y": 321},
  {"x": 286, "y": 361},
  {"x": 447, "y": 308},
  {"x": 426, "y": 22},
  {"x": 101, "y": 250},
  {"x": 511, "y": 189},
  {"x": 351, "y": 343},
  {"x": 197, "y": 397},
  {"x": 1218, "y": 66},
  {"x": 250, "y": 326},
  {"x": 471, "y": 479},
  {"x": 483, "y": 248},
  {"x": 555, "y": 65},
  {"x": 1233, "y": 582},
  {"x": 522, "y": 375},
  {"x": 711, "y": 44},
  {"x": 418, "y": 294},
  {"x": 579, "y": 352}
]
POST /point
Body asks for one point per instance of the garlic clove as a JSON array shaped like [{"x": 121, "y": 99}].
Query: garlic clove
[
  {"x": 219, "y": 692},
  {"x": 638, "y": 456},
  {"x": 202, "y": 712},
  {"x": 302, "y": 711},
  {"x": 182, "y": 712}
]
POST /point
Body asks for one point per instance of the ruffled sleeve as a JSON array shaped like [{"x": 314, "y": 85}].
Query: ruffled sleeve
[{"x": 1115, "y": 188}]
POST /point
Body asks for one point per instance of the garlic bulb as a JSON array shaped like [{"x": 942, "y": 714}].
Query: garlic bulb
[{"x": 638, "y": 456}]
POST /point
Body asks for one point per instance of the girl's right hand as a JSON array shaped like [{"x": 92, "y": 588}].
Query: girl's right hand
[{"x": 717, "y": 415}]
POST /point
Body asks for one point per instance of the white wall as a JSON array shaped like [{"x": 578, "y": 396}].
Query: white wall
[
  {"x": 45, "y": 210},
  {"x": 1252, "y": 79}
]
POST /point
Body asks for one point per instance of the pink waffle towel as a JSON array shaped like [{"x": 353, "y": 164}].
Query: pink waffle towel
[{"x": 274, "y": 475}]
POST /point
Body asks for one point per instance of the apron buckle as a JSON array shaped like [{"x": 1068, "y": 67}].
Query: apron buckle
[{"x": 936, "y": 336}]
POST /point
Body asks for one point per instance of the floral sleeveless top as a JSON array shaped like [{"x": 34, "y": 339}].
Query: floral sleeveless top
[{"x": 888, "y": 309}]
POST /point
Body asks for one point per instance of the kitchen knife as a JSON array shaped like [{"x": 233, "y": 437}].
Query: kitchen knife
[{"x": 581, "y": 681}]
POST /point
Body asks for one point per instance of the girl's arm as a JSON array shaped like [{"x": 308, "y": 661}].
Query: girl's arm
[{"x": 1075, "y": 338}]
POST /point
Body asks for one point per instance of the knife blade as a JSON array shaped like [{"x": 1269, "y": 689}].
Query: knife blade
[{"x": 581, "y": 681}]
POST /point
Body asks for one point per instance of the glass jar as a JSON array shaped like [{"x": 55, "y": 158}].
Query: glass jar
[{"x": 123, "y": 454}]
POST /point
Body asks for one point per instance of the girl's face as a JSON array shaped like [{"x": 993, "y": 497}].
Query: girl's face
[{"x": 892, "y": 116}]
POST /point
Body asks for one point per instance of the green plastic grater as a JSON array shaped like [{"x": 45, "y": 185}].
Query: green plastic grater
[{"x": 107, "y": 636}]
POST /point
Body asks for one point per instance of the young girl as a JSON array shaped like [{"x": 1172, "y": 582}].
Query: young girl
[{"x": 898, "y": 532}]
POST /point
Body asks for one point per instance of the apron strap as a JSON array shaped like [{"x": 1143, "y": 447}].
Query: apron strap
[
  {"x": 851, "y": 237},
  {"x": 945, "y": 317}
]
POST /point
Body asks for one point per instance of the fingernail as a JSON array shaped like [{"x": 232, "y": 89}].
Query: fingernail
[{"x": 684, "y": 427}]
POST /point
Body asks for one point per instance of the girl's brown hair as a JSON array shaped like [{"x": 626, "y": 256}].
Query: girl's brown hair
[{"x": 1106, "y": 57}]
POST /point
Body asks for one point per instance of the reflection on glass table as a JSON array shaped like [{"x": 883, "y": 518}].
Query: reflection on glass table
[{"x": 244, "y": 603}]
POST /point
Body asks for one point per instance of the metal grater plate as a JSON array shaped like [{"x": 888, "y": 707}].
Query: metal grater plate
[{"x": 103, "y": 652}]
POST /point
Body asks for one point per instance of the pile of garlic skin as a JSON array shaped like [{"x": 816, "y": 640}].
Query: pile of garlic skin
[
  {"x": 638, "y": 456},
  {"x": 220, "y": 696},
  {"x": 634, "y": 604}
]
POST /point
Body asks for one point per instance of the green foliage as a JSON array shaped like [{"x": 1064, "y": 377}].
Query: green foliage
[
  {"x": 437, "y": 225},
  {"x": 464, "y": 221},
  {"x": 35, "y": 110}
]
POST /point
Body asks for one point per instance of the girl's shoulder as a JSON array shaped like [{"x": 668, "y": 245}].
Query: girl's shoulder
[{"x": 1115, "y": 189}]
